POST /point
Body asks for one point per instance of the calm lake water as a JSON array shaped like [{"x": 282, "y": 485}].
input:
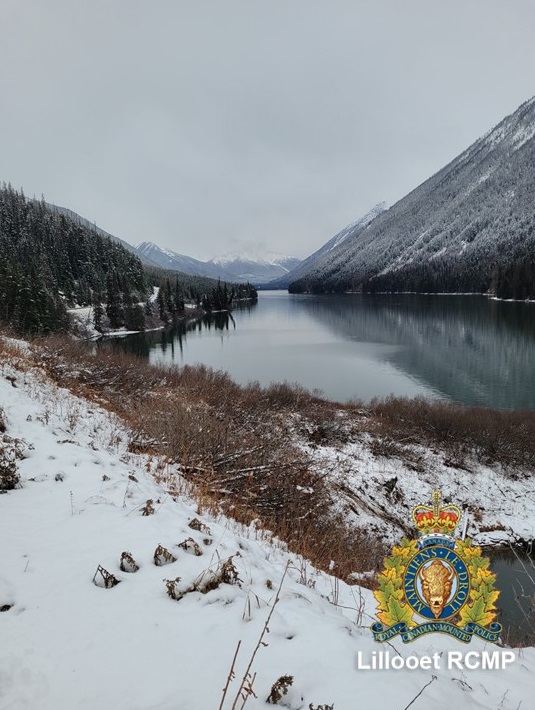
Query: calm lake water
[
  {"x": 464, "y": 348},
  {"x": 515, "y": 578}
]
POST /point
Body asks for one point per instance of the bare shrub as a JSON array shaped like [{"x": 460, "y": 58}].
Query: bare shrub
[
  {"x": 283, "y": 395},
  {"x": 196, "y": 524},
  {"x": 279, "y": 689},
  {"x": 327, "y": 538},
  {"x": 11, "y": 450},
  {"x": 487, "y": 434},
  {"x": 173, "y": 590},
  {"x": 103, "y": 578},
  {"x": 224, "y": 573},
  {"x": 128, "y": 563},
  {"x": 163, "y": 557},
  {"x": 148, "y": 508},
  {"x": 9, "y": 475},
  {"x": 387, "y": 448},
  {"x": 189, "y": 545}
]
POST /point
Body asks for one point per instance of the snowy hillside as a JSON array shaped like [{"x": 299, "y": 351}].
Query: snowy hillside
[
  {"x": 347, "y": 235},
  {"x": 469, "y": 228},
  {"x": 68, "y": 643},
  {"x": 89, "y": 225},
  {"x": 168, "y": 259}
]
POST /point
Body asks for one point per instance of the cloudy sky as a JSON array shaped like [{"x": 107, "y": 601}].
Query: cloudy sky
[{"x": 210, "y": 126}]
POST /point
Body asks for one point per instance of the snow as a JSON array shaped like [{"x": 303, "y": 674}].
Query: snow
[
  {"x": 359, "y": 224},
  {"x": 485, "y": 176},
  {"x": 264, "y": 257},
  {"x": 84, "y": 322},
  {"x": 438, "y": 253},
  {"x": 522, "y": 135},
  {"x": 67, "y": 644},
  {"x": 504, "y": 503}
]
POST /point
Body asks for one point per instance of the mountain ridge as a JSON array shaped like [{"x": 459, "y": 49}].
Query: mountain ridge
[
  {"x": 238, "y": 266},
  {"x": 350, "y": 232},
  {"x": 469, "y": 227}
]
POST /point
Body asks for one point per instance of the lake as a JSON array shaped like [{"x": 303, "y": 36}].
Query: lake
[{"x": 469, "y": 349}]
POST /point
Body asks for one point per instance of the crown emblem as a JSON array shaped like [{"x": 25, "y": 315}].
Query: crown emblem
[{"x": 437, "y": 523}]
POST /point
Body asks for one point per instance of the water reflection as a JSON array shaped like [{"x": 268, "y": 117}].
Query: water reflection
[
  {"x": 469, "y": 349},
  {"x": 515, "y": 578},
  {"x": 171, "y": 340}
]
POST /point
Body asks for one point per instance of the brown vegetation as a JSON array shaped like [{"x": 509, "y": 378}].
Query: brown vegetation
[
  {"x": 236, "y": 445},
  {"x": 486, "y": 435}
]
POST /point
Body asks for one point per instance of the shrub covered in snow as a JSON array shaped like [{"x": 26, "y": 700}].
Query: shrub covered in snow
[{"x": 10, "y": 450}]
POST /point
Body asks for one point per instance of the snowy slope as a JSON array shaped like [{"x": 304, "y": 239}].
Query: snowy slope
[
  {"x": 67, "y": 644},
  {"x": 475, "y": 213},
  {"x": 168, "y": 259},
  {"x": 86, "y": 223},
  {"x": 348, "y": 234}
]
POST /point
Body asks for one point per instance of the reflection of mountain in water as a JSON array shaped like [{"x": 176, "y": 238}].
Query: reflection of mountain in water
[
  {"x": 171, "y": 339},
  {"x": 472, "y": 349}
]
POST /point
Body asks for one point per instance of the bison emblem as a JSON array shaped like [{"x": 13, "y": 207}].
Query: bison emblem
[{"x": 436, "y": 581}]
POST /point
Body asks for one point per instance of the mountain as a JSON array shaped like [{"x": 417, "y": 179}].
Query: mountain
[
  {"x": 257, "y": 268},
  {"x": 237, "y": 267},
  {"x": 93, "y": 227},
  {"x": 346, "y": 235},
  {"x": 171, "y": 260},
  {"x": 469, "y": 228},
  {"x": 60, "y": 272}
]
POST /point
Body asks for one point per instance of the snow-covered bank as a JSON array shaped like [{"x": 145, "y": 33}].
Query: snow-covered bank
[
  {"x": 68, "y": 644},
  {"x": 378, "y": 492}
]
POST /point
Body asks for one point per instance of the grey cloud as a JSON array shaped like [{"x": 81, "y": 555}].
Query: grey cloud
[{"x": 206, "y": 126}]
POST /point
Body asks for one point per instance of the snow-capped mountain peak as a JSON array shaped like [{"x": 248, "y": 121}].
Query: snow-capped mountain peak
[
  {"x": 240, "y": 266},
  {"x": 257, "y": 267}
]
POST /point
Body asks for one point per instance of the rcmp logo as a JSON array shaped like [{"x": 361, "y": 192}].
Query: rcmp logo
[{"x": 437, "y": 583}]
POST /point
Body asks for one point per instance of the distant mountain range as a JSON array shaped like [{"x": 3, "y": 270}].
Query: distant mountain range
[
  {"x": 469, "y": 228},
  {"x": 238, "y": 267}
]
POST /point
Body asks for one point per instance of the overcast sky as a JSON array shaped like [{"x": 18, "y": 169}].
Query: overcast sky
[{"x": 219, "y": 125}]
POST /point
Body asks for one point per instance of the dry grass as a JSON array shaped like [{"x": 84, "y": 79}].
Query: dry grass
[
  {"x": 463, "y": 433},
  {"x": 236, "y": 445}
]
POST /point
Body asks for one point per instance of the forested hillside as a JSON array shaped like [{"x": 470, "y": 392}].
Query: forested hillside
[
  {"x": 49, "y": 262},
  {"x": 52, "y": 260},
  {"x": 469, "y": 228}
]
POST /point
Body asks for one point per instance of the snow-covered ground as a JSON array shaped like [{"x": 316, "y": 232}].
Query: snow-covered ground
[
  {"x": 67, "y": 644},
  {"x": 378, "y": 493}
]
